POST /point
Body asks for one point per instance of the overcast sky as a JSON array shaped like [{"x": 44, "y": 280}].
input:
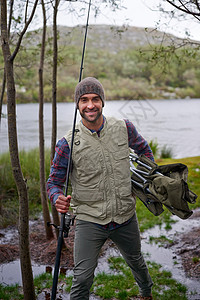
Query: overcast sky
[{"x": 142, "y": 13}]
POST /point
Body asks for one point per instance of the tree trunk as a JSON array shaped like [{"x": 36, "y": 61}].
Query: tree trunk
[
  {"x": 26, "y": 270},
  {"x": 2, "y": 92},
  {"x": 44, "y": 199},
  {"x": 54, "y": 100},
  {"x": 54, "y": 81},
  {"x": 4, "y": 73}
]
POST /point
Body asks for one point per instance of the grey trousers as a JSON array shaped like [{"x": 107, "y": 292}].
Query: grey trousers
[{"x": 89, "y": 239}]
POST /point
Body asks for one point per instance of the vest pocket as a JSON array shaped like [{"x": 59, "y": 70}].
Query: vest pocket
[
  {"x": 125, "y": 201},
  {"x": 89, "y": 202},
  {"x": 122, "y": 165},
  {"x": 87, "y": 167}
]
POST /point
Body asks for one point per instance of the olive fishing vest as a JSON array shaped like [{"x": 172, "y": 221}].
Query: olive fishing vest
[{"x": 100, "y": 174}]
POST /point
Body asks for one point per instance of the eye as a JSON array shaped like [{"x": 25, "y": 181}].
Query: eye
[
  {"x": 96, "y": 99},
  {"x": 83, "y": 100}
]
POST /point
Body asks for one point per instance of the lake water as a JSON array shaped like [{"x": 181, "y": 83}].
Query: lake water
[{"x": 175, "y": 123}]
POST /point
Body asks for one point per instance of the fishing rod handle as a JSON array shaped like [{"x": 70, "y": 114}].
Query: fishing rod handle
[{"x": 58, "y": 255}]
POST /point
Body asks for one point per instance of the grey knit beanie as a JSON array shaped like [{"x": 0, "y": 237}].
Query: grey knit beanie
[{"x": 89, "y": 85}]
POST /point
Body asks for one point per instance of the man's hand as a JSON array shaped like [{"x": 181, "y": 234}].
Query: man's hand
[{"x": 63, "y": 203}]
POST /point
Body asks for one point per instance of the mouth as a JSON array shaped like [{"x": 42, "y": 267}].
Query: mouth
[{"x": 91, "y": 113}]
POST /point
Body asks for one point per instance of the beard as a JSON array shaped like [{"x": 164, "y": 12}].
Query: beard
[{"x": 91, "y": 119}]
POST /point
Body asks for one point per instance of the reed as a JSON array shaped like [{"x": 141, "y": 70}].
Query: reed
[{"x": 8, "y": 192}]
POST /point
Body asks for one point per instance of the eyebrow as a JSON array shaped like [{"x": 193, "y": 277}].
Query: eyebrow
[{"x": 95, "y": 97}]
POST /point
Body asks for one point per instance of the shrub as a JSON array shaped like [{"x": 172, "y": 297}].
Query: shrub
[
  {"x": 166, "y": 152},
  {"x": 154, "y": 147}
]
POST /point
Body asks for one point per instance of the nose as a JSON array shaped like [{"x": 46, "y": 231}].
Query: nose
[{"x": 90, "y": 104}]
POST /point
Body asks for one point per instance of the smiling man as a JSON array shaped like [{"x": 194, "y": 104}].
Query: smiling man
[
  {"x": 101, "y": 189},
  {"x": 90, "y": 108}
]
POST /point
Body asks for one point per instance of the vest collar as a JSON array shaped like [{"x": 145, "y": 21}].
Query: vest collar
[{"x": 94, "y": 132}]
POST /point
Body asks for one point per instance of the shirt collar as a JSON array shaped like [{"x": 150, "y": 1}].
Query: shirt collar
[{"x": 98, "y": 131}]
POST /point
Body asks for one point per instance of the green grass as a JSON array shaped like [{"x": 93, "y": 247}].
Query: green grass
[
  {"x": 43, "y": 281},
  {"x": 166, "y": 152},
  {"x": 11, "y": 292},
  {"x": 161, "y": 240},
  {"x": 121, "y": 285},
  {"x": 147, "y": 220},
  {"x": 29, "y": 161},
  {"x": 195, "y": 259},
  {"x": 154, "y": 147},
  {"x": 30, "y": 167}
]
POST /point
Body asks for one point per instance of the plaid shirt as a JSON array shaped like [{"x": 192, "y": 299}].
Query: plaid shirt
[{"x": 57, "y": 177}]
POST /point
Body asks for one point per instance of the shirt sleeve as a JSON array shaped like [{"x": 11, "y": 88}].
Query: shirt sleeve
[
  {"x": 137, "y": 142},
  {"x": 57, "y": 177}
]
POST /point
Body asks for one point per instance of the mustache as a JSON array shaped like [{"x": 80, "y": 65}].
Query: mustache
[{"x": 90, "y": 110}]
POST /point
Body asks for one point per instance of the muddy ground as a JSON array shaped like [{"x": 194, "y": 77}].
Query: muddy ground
[
  {"x": 186, "y": 245},
  {"x": 42, "y": 251}
]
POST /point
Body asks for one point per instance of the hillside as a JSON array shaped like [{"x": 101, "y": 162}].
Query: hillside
[
  {"x": 110, "y": 38},
  {"x": 127, "y": 60}
]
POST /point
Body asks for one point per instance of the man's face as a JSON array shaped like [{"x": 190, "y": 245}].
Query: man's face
[{"x": 90, "y": 107}]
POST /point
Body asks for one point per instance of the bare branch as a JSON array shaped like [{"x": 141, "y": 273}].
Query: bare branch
[
  {"x": 24, "y": 31},
  {"x": 26, "y": 11},
  {"x": 10, "y": 16},
  {"x": 197, "y": 4},
  {"x": 184, "y": 8}
]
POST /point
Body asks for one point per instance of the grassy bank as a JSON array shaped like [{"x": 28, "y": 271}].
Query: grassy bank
[
  {"x": 8, "y": 192},
  {"x": 30, "y": 167}
]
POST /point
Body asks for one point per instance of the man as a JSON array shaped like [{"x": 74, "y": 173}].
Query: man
[{"x": 101, "y": 188}]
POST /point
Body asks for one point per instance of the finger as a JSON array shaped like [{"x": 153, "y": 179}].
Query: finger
[
  {"x": 62, "y": 205},
  {"x": 62, "y": 201},
  {"x": 62, "y": 209},
  {"x": 65, "y": 199}
]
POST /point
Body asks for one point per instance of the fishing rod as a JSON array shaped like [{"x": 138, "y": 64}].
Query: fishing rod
[{"x": 66, "y": 218}]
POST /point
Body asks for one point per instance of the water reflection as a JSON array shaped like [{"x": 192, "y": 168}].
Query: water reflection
[
  {"x": 10, "y": 273},
  {"x": 167, "y": 257}
]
